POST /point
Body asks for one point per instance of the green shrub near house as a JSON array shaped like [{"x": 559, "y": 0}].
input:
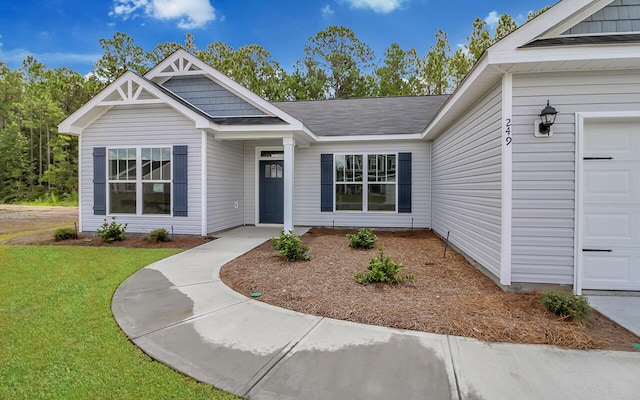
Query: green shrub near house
[
  {"x": 289, "y": 246},
  {"x": 65, "y": 234},
  {"x": 383, "y": 270},
  {"x": 364, "y": 239},
  {"x": 159, "y": 235},
  {"x": 567, "y": 305},
  {"x": 112, "y": 231}
]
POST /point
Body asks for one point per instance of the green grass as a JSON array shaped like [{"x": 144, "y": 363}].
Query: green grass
[{"x": 58, "y": 339}]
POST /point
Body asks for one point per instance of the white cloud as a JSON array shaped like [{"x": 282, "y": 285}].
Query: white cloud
[
  {"x": 379, "y": 6},
  {"x": 190, "y": 14},
  {"x": 327, "y": 11},
  {"x": 492, "y": 19}
]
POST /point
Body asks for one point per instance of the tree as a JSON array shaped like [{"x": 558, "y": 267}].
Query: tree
[
  {"x": 506, "y": 25},
  {"x": 479, "y": 41},
  {"x": 164, "y": 50},
  {"x": 120, "y": 55},
  {"x": 459, "y": 66},
  {"x": 251, "y": 66},
  {"x": 435, "y": 72},
  {"x": 342, "y": 57},
  {"x": 307, "y": 82},
  {"x": 399, "y": 74},
  {"x": 534, "y": 14}
]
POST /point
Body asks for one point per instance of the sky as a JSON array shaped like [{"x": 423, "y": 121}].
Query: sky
[{"x": 65, "y": 33}]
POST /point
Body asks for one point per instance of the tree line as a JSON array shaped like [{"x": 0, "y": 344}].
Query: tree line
[{"x": 38, "y": 163}]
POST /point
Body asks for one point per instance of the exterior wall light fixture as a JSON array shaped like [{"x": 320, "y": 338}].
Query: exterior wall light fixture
[{"x": 546, "y": 120}]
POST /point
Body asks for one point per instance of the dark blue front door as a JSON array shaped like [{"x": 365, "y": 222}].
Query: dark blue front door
[{"x": 271, "y": 191}]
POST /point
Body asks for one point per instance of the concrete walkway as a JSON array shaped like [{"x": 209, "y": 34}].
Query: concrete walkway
[{"x": 179, "y": 312}]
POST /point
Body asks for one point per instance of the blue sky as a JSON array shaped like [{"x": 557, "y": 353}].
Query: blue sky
[{"x": 66, "y": 32}]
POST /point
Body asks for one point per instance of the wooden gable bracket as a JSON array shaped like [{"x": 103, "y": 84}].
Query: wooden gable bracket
[
  {"x": 180, "y": 66},
  {"x": 129, "y": 92}
]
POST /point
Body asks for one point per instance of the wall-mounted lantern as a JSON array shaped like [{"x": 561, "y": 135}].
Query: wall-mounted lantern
[{"x": 545, "y": 122}]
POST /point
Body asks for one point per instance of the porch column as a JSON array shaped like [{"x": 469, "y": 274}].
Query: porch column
[{"x": 289, "y": 144}]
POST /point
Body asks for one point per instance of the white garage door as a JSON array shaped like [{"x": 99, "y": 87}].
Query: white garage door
[{"x": 611, "y": 193}]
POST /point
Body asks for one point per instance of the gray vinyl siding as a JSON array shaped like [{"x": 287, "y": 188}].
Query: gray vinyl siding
[
  {"x": 307, "y": 185},
  {"x": 466, "y": 182},
  {"x": 618, "y": 17},
  {"x": 225, "y": 174},
  {"x": 544, "y": 168},
  {"x": 210, "y": 97},
  {"x": 143, "y": 126}
]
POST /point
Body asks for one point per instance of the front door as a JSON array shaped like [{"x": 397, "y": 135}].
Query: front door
[{"x": 271, "y": 191}]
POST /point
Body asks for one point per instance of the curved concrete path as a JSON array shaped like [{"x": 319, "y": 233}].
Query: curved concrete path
[{"x": 179, "y": 312}]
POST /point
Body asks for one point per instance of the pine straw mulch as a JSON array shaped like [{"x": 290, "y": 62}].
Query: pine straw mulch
[
  {"x": 448, "y": 297},
  {"x": 131, "y": 241}
]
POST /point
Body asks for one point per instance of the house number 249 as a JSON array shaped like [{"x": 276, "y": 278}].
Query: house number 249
[{"x": 508, "y": 139}]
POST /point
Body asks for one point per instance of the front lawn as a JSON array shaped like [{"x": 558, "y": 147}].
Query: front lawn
[{"x": 58, "y": 339}]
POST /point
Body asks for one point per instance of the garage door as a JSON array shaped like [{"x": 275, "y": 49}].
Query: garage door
[{"x": 611, "y": 194}]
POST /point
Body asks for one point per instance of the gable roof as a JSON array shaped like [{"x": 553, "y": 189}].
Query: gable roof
[
  {"x": 365, "y": 116},
  {"x": 131, "y": 88},
  {"x": 517, "y": 53}
]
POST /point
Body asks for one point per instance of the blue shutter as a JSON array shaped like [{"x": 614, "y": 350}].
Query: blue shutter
[
  {"x": 180, "y": 167},
  {"x": 326, "y": 182},
  {"x": 99, "y": 181},
  {"x": 404, "y": 182}
]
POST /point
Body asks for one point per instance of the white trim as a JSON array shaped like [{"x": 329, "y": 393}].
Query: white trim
[
  {"x": 258, "y": 150},
  {"x": 507, "y": 179},
  {"x": 370, "y": 138},
  {"x": 288, "y": 175},
  {"x": 580, "y": 118},
  {"x": 67, "y": 126},
  {"x": 577, "y": 218},
  {"x": 204, "y": 186},
  {"x": 80, "y": 219}
]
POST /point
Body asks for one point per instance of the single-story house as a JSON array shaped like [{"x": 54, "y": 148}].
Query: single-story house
[{"x": 188, "y": 149}]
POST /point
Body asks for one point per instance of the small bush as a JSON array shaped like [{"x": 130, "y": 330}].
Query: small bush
[
  {"x": 65, "y": 234},
  {"x": 383, "y": 270},
  {"x": 364, "y": 239},
  {"x": 159, "y": 235},
  {"x": 113, "y": 231},
  {"x": 567, "y": 305},
  {"x": 289, "y": 246}
]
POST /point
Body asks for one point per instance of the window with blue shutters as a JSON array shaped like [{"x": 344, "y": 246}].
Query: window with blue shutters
[
  {"x": 140, "y": 181},
  {"x": 374, "y": 182}
]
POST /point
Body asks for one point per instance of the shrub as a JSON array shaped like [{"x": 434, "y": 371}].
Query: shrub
[
  {"x": 383, "y": 270},
  {"x": 65, "y": 234},
  {"x": 159, "y": 235},
  {"x": 567, "y": 305},
  {"x": 364, "y": 239},
  {"x": 113, "y": 231},
  {"x": 289, "y": 246}
]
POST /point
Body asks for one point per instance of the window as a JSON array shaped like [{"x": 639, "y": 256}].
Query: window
[
  {"x": 122, "y": 181},
  {"x": 139, "y": 181},
  {"x": 379, "y": 182}
]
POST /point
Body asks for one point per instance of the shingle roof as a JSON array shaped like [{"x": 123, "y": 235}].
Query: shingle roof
[
  {"x": 577, "y": 40},
  {"x": 366, "y": 116}
]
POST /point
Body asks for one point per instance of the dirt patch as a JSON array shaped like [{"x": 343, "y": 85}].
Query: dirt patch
[
  {"x": 449, "y": 296},
  {"x": 35, "y": 225},
  {"x": 25, "y": 220}
]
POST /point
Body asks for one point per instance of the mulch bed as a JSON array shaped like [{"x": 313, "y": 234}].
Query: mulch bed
[
  {"x": 45, "y": 238},
  {"x": 449, "y": 296}
]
